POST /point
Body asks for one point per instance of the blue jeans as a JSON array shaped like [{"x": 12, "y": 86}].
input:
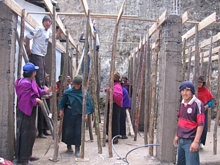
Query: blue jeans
[{"x": 185, "y": 157}]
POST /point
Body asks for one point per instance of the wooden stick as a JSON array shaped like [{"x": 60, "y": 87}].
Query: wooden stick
[
  {"x": 134, "y": 88},
  {"x": 128, "y": 118},
  {"x": 153, "y": 97},
  {"x": 215, "y": 137},
  {"x": 54, "y": 96},
  {"x": 143, "y": 59},
  {"x": 95, "y": 78},
  {"x": 208, "y": 80},
  {"x": 202, "y": 65},
  {"x": 21, "y": 43},
  {"x": 147, "y": 90},
  {"x": 197, "y": 60},
  {"x": 189, "y": 63},
  {"x": 111, "y": 82},
  {"x": 184, "y": 59},
  {"x": 62, "y": 83},
  {"x": 84, "y": 87}
]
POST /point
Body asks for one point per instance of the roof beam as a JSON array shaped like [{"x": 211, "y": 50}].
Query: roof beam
[
  {"x": 201, "y": 25},
  {"x": 185, "y": 17}
]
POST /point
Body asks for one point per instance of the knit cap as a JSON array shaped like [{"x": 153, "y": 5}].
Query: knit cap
[
  {"x": 187, "y": 84},
  {"x": 77, "y": 80},
  {"x": 46, "y": 18}
]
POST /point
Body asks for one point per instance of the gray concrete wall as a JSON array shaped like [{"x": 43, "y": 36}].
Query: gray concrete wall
[
  {"x": 169, "y": 80},
  {"x": 8, "y": 21}
]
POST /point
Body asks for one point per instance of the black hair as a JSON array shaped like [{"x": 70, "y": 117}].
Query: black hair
[{"x": 27, "y": 74}]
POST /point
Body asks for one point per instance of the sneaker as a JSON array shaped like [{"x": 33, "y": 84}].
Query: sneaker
[
  {"x": 42, "y": 135},
  {"x": 77, "y": 151}
]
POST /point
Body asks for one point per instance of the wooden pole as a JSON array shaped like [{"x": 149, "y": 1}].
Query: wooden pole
[
  {"x": 147, "y": 90},
  {"x": 184, "y": 59},
  {"x": 142, "y": 65},
  {"x": 111, "y": 81},
  {"x": 105, "y": 120},
  {"x": 54, "y": 96},
  {"x": 202, "y": 64},
  {"x": 208, "y": 80},
  {"x": 189, "y": 63},
  {"x": 215, "y": 137},
  {"x": 95, "y": 77},
  {"x": 197, "y": 60},
  {"x": 153, "y": 96},
  {"x": 21, "y": 44},
  {"x": 77, "y": 56},
  {"x": 84, "y": 87},
  {"x": 63, "y": 83},
  {"x": 133, "y": 97}
]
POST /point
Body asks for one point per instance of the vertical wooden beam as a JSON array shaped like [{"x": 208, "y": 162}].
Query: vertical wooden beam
[
  {"x": 202, "y": 64},
  {"x": 147, "y": 90},
  {"x": 189, "y": 63},
  {"x": 21, "y": 44},
  {"x": 84, "y": 87},
  {"x": 184, "y": 59},
  {"x": 215, "y": 137},
  {"x": 54, "y": 96},
  {"x": 197, "y": 60},
  {"x": 208, "y": 80},
  {"x": 142, "y": 64}
]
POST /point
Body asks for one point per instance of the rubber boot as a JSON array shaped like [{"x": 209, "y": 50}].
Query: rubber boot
[
  {"x": 77, "y": 151},
  {"x": 69, "y": 148}
]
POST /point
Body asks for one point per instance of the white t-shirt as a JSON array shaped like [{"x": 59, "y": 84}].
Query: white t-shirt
[{"x": 40, "y": 38}]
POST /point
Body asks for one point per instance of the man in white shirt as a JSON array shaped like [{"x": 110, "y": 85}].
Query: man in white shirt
[{"x": 37, "y": 54}]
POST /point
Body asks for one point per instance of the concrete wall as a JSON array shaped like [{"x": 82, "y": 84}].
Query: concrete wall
[{"x": 8, "y": 21}]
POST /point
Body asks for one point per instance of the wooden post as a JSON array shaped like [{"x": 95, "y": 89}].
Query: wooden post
[
  {"x": 140, "y": 86},
  {"x": 95, "y": 98},
  {"x": 202, "y": 64},
  {"x": 184, "y": 58},
  {"x": 153, "y": 95},
  {"x": 134, "y": 88},
  {"x": 147, "y": 90},
  {"x": 197, "y": 60},
  {"x": 105, "y": 120},
  {"x": 215, "y": 137},
  {"x": 54, "y": 96},
  {"x": 208, "y": 80},
  {"x": 77, "y": 56},
  {"x": 84, "y": 87},
  {"x": 189, "y": 63},
  {"x": 64, "y": 75},
  {"x": 21, "y": 43},
  {"x": 111, "y": 80}
]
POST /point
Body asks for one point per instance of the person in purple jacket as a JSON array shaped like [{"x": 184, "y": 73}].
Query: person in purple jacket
[
  {"x": 29, "y": 94},
  {"x": 126, "y": 104}
]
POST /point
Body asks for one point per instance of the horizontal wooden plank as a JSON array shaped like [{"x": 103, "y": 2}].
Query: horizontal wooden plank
[
  {"x": 185, "y": 17},
  {"x": 206, "y": 42},
  {"x": 206, "y": 53},
  {"x": 203, "y": 24},
  {"x": 162, "y": 18}
]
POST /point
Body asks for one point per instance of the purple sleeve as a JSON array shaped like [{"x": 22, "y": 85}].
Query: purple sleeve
[{"x": 41, "y": 91}]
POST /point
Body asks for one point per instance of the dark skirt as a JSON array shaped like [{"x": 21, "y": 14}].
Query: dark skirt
[
  {"x": 115, "y": 120},
  {"x": 123, "y": 121},
  {"x": 25, "y": 135},
  {"x": 71, "y": 131},
  {"x": 205, "y": 130}
]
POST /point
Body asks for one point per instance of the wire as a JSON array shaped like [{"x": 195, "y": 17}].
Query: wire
[{"x": 125, "y": 158}]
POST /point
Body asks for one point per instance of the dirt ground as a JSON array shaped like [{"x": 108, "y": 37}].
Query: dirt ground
[{"x": 137, "y": 157}]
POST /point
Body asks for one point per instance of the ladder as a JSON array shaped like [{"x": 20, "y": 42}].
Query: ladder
[{"x": 47, "y": 114}]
